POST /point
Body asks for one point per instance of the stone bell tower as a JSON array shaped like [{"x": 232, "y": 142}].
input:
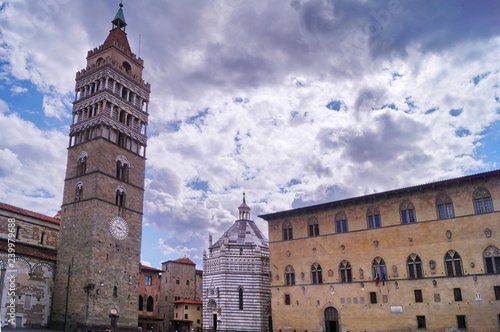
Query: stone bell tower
[{"x": 101, "y": 218}]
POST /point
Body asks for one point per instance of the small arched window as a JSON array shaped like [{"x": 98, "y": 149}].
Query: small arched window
[
  {"x": 150, "y": 304},
  {"x": 341, "y": 225},
  {"x": 287, "y": 231},
  {"x": 316, "y": 274},
  {"x": 141, "y": 303},
  {"x": 373, "y": 217},
  {"x": 491, "y": 257},
  {"x": 100, "y": 61},
  {"x": 120, "y": 196},
  {"x": 81, "y": 163},
  {"x": 115, "y": 291},
  {"x": 289, "y": 275},
  {"x": 482, "y": 201},
  {"x": 78, "y": 191},
  {"x": 444, "y": 207},
  {"x": 240, "y": 297},
  {"x": 414, "y": 264},
  {"x": 378, "y": 269},
  {"x": 313, "y": 226},
  {"x": 345, "y": 271},
  {"x": 407, "y": 211},
  {"x": 127, "y": 67},
  {"x": 122, "y": 168},
  {"x": 453, "y": 263}
]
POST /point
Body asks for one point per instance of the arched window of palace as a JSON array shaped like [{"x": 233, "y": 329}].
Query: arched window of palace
[
  {"x": 313, "y": 226},
  {"x": 289, "y": 275},
  {"x": 482, "y": 201},
  {"x": 373, "y": 217},
  {"x": 492, "y": 259},
  {"x": 287, "y": 231},
  {"x": 453, "y": 263},
  {"x": 444, "y": 206},
  {"x": 407, "y": 211},
  {"x": 316, "y": 274},
  {"x": 341, "y": 224},
  {"x": 414, "y": 264},
  {"x": 345, "y": 271},
  {"x": 379, "y": 269}
]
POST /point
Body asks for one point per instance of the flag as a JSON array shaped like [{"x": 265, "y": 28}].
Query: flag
[
  {"x": 383, "y": 278},
  {"x": 377, "y": 280}
]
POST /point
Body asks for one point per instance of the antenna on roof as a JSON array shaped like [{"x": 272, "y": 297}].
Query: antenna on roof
[{"x": 139, "y": 45}]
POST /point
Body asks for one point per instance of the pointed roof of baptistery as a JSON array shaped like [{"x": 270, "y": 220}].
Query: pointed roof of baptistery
[{"x": 244, "y": 231}]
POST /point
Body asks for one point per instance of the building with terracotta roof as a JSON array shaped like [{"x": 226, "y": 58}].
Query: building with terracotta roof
[
  {"x": 187, "y": 315},
  {"x": 420, "y": 258},
  {"x": 180, "y": 281},
  {"x": 28, "y": 252},
  {"x": 150, "y": 318},
  {"x": 236, "y": 293}
]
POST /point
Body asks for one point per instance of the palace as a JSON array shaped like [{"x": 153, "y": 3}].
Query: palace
[{"x": 423, "y": 257}]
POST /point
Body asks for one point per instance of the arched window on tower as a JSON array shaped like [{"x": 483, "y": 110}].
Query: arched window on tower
[
  {"x": 81, "y": 163},
  {"x": 141, "y": 303},
  {"x": 482, "y": 201},
  {"x": 150, "y": 304},
  {"x": 453, "y": 263},
  {"x": 120, "y": 196},
  {"x": 115, "y": 291},
  {"x": 127, "y": 67},
  {"x": 444, "y": 207},
  {"x": 122, "y": 116},
  {"x": 289, "y": 275},
  {"x": 122, "y": 168},
  {"x": 78, "y": 191}
]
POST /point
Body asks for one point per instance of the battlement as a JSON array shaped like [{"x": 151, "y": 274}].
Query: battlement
[{"x": 108, "y": 61}]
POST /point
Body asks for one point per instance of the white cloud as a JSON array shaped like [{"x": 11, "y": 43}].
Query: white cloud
[
  {"x": 17, "y": 90},
  {"x": 32, "y": 165}
]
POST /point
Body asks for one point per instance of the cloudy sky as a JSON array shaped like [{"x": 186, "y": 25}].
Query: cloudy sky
[{"x": 294, "y": 102}]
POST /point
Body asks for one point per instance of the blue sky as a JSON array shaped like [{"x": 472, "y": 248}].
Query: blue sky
[{"x": 293, "y": 102}]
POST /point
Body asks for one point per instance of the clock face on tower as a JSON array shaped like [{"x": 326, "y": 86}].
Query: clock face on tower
[{"x": 118, "y": 228}]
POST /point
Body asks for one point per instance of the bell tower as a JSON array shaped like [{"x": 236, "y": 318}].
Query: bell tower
[{"x": 101, "y": 215}]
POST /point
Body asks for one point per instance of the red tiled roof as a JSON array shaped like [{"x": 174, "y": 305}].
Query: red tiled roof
[
  {"x": 29, "y": 213},
  {"x": 25, "y": 249},
  {"x": 184, "y": 260},
  {"x": 188, "y": 301},
  {"x": 149, "y": 268},
  {"x": 119, "y": 38},
  {"x": 199, "y": 271}
]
